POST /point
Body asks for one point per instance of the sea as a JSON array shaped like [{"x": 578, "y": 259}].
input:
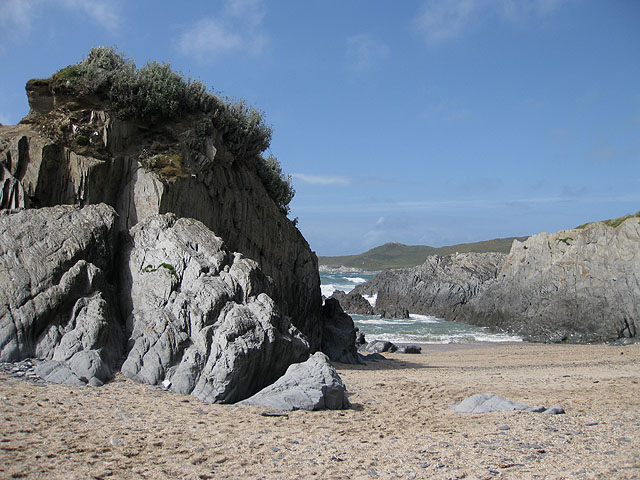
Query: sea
[{"x": 415, "y": 329}]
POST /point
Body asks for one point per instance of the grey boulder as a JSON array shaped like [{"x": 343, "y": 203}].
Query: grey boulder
[
  {"x": 379, "y": 346},
  {"x": 312, "y": 385},
  {"x": 338, "y": 333},
  {"x": 489, "y": 402},
  {"x": 199, "y": 317},
  {"x": 56, "y": 302}
]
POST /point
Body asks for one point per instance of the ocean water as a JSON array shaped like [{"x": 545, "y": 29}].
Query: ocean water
[{"x": 416, "y": 328}]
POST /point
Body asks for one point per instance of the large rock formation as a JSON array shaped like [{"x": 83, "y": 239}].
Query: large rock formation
[
  {"x": 339, "y": 333},
  {"x": 440, "y": 286},
  {"x": 57, "y": 301},
  {"x": 200, "y": 317},
  {"x": 353, "y": 302},
  {"x": 579, "y": 285},
  {"x": 72, "y": 150}
]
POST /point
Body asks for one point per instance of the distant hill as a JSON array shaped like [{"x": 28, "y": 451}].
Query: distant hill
[{"x": 397, "y": 255}]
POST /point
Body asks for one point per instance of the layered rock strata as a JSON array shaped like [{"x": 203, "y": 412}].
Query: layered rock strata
[
  {"x": 200, "y": 317},
  {"x": 124, "y": 164},
  {"x": 57, "y": 300},
  {"x": 579, "y": 285}
]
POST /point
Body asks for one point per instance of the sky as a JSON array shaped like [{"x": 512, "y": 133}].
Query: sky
[{"x": 422, "y": 122}]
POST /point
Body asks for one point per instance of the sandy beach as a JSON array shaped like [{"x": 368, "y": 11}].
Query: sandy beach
[{"x": 401, "y": 424}]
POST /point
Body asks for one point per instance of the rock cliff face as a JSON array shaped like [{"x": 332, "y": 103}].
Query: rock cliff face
[
  {"x": 199, "y": 316},
  {"x": 441, "y": 286},
  {"x": 141, "y": 171},
  {"x": 57, "y": 300},
  {"x": 579, "y": 285}
]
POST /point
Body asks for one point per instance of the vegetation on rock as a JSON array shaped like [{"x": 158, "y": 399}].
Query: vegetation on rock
[{"x": 155, "y": 93}]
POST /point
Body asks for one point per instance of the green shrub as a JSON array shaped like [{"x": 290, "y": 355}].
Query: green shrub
[
  {"x": 277, "y": 184},
  {"x": 155, "y": 93}
]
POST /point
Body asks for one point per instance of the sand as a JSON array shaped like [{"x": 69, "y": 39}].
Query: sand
[{"x": 400, "y": 426}]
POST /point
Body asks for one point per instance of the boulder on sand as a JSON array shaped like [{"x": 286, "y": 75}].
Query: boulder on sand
[
  {"x": 490, "y": 402},
  {"x": 312, "y": 385}
]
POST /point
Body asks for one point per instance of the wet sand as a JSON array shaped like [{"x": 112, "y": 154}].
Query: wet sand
[{"x": 400, "y": 426}]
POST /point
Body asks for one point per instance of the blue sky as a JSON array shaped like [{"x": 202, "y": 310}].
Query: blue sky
[{"x": 422, "y": 122}]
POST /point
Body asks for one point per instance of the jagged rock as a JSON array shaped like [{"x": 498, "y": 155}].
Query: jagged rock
[
  {"x": 338, "y": 334},
  {"x": 213, "y": 186},
  {"x": 360, "y": 338},
  {"x": 440, "y": 286},
  {"x": 353, "y": 303},
  {"x": 379, "y": 346},
  {"x": 200, "y": 316},
  {"x": 56, "y": 302},
  {"x": 490, "y": 402},
  {"x": 579, "y": 285},
  {"x": 312, "y": 385}
]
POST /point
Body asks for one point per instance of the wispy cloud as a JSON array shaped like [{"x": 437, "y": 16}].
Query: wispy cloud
[
  {"x": 103, "y": 13},
  {"x": 439, "y": 21},
  {"x": 365, "y": 52},
  {"x": 237, "y": 29},
  {"x": 321, "y": 179},
  {"x": 17, "y": 17},
  {"x": 16, "y": 20}
]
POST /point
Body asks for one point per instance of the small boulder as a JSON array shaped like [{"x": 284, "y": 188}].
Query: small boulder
[
  {"x": 379, "y": 346},
  {"x": 409, "y": 349},
  {"x": 311, "y": 385},
  {"x": 490, "y": 402}
]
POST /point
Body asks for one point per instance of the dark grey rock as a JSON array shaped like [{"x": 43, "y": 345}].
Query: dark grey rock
[
  {"x": 440, "y": 286},
  {"x": 379, "y": 346},
  {"x": 489, "y": 402},
  {"x": 409, "y": 349},
  {"x": 373, "y": 357},
  {"x": 353, "y": 302},
  {"x": 338, "y": 334},
  {"x": 312, "y": 385},
  {"x": 199, "y": 316},
  {"x": 56, "y": 302}
]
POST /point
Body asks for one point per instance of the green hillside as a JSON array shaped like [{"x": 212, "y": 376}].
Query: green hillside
[{"x": 397, "y": 255}]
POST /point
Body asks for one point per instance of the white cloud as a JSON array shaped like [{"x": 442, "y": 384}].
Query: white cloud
[
  {"x": 364, "y": 52},
  {"x": 380, "y": 221},
  {"x": 18, "y": 16},
  {"x": 439, "y": 21},
  {"x": 237, "y": 29},
  {"x": 16, "y": 20},
  {"x": 103, "y": 13},
  {"x": 321, "y": 179}
]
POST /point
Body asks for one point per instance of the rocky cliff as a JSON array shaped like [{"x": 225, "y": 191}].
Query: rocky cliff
[
  {"x": 578, "y": 285},
  {"x": 149, "y": 236},
  {"x": 441, "y": 286},
  {"x": 77, "y": 151}
]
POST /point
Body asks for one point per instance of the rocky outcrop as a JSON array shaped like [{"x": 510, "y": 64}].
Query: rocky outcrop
[
  {"x": 353, "y": 302},
  {"x": 580, "y": 285},
  {"x": 199, "y": 317},
  {"x": 440, "y": 286},
  {"x": 312, "y": 385},
  {"x": 57, "y": 301},
  {"x": 338, "y": 334},
  {"x": 74, "y": 151}
]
